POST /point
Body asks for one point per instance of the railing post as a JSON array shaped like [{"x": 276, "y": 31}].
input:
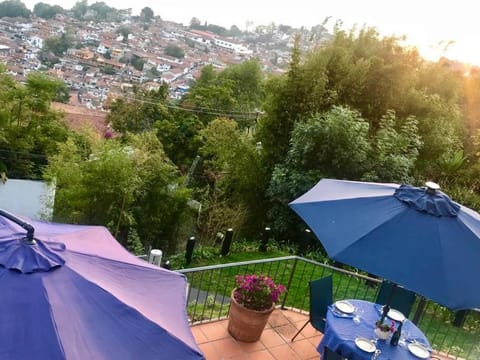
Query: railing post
[
  {"x": 460, "y": 317},
  {"x": 226, "y": 242},
  {"x": 265, "y": 238},
  {"x": 189, "y": 250},
  {"x": 289, "y": 283},
  {"x": 420, "y": 309}
]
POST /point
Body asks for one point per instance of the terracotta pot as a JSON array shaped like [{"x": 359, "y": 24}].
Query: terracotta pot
[{"x": 246, "y": 324}]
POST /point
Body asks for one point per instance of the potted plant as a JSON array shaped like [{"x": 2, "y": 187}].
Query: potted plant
[
  {"x": 251, "y": 303},
  {"x": 383, "y": 330}
]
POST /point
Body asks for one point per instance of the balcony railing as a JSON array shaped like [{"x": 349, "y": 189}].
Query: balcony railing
[{"x": 210, "y": 287}]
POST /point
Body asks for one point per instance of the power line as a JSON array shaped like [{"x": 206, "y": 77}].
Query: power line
[{"x": 220, "y": 112}]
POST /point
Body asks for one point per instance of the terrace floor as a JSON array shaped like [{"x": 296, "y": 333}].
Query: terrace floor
[{"x": 217, "y": 344}]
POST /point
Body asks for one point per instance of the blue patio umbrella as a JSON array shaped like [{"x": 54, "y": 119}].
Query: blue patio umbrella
[
  {"x": 73, "y": 292},
  {"x": 413, "y": 236}
]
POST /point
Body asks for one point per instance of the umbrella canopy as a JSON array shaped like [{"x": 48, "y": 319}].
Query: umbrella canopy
[
  {"x": 75, "y": 293},
  {"x": 415, "y": 237}
]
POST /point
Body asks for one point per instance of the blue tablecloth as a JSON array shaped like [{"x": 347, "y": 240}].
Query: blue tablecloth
[{"x": 341, "y": 332}]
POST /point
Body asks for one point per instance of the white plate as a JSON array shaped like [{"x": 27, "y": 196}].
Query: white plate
[
  {"x": 396, "y": 315},
  {"x": 419, "y": 350},
  {"x": 345, "y": 307},
  {"x": 365, "y": 345}
]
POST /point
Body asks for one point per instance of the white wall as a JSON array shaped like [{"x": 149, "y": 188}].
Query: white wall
[{"x": 30, "y": 198}]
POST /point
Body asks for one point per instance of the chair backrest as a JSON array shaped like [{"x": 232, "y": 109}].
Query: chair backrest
[
  {"x": 402, "y": 299},
  {"x": 321, "y": 296},
  {"x": 329, "y": 354}
]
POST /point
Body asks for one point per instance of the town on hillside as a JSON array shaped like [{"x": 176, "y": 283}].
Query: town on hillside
[{"x": 102, "y": 60}]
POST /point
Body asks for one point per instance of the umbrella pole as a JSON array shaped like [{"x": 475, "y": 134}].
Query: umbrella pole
[
  {"x": 386, "y": 307},
  {"x": 29, "y": 238}
]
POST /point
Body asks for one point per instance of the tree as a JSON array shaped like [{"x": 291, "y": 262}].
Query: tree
[
  {"x": 47, "y": 11},
  {"x": 108, "y": 69},
  {"x": 124, "y": 31},
  {"x": 195, "y": 23},
  {"x": 234, "y": 31},
  {"x": 236, "y": 92},
  {"x": 29, "y": 129},
  {"x": 146, "y": 14},
  {"x": 175, "y": 51},
  {"x": 13, "y": 8},
  {"x": 139, "y": 114},
  {"x": 57, "y": 45},
  {"x": 128, "y": 186},
  {"x": 235, "y": 176},
  {"x": 79, "y": 9},
  {"x": 137, "y": 62}
]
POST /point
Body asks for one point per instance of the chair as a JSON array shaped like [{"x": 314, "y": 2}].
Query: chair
[
  {"x": 402, "y": 299},
  {"x": 321, "y": 296},
  {"x": 329, "y": 354}
]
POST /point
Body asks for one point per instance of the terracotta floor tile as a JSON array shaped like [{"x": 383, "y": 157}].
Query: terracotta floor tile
[
  {"x": 251, "y": 347},
  {"x": 287, "y": 332},
  {"x": 228, "y": 347},
  {"x": 198, "y": 334},
  {"x": 210, "y": 352},
  {"x": 310, "y": 331},
  {"x": 270, "y": 338},
  {"x": 283, "y": 352},
  {"x": 304, "y": 349},
  {"x": 260, "y": 355},
  {"x": 315, "y": 340},
  {"x": 277, "y": 319},
  {"x": 215, "y": 331},
  {"x": 293, "y": 316}
]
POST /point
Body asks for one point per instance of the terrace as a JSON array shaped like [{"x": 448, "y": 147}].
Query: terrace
[{"x": 208, "y": 305}]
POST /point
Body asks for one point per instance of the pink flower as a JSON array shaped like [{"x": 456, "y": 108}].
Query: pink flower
[{"x": 257, "y": 292}]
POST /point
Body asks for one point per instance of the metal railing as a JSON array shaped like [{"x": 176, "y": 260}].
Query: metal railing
[{"x": 208, "y": 298}]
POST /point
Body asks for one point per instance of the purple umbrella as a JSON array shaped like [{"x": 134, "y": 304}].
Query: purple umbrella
[{"x": 73, "y": 292}]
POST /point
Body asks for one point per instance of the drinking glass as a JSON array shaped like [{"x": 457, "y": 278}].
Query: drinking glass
[
  {"x": 404, "y": 338},
  {"x": 357, "y": 317}
]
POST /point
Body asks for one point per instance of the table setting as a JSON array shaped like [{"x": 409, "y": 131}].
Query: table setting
[{"x": 351, "y": 331}]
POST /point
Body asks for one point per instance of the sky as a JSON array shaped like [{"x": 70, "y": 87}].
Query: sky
[{"x": 436, "y": 28}]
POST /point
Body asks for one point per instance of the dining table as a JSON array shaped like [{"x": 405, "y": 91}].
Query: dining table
[{"x": 351, "y": 333}]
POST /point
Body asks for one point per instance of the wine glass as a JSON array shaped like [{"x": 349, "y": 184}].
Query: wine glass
[
  {"x": 357, "y": 318},
  {"x": 404, "y": 338},
  {"x": 376, "y": 354}
]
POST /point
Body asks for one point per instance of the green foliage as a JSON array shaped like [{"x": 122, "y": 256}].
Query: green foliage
[
  {"x": 233, "y": 170},
  {"x": 128, "y": 186},
  {"x": 108, "y": 69},
  {"x": 239, "y": 88},
  {"x": 216, "y": 29},
  {"x": 146, "y": 14},
  {"x": 29, "y": 129},
  {"x": 57, "y": 45},
  {"x": 137, "y": 62},
  {"x": 394, "y": 153},
  {"x": 337, "y": 144},
  {"x": 175, "y": 51},
  {"x": 124, "y": 31},
  {"x": 47, "y": 11},
  {"x": 13, "y": 8},
  {"x": 80, "y": 8},
  {"x": 141, "y": 113},
  {"x": 180, "y": 137},
  {"x": 98, "y": 11}
]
